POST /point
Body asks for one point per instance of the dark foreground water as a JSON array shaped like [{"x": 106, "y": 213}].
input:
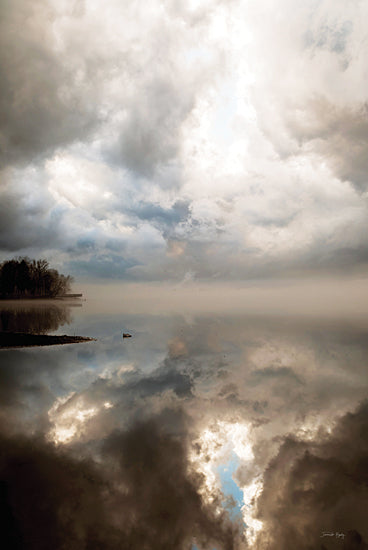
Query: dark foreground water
[{"x": 202, "y": 431}]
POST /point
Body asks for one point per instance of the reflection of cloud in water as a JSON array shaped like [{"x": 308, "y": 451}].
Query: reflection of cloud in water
[
  {"x": 68, "y": 416},
  {"x": 316, "y": 486},
  {"x": 216, "y": 454},
  {"x": 163, "y": 417}
]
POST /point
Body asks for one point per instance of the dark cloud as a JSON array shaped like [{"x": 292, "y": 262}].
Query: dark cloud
[
  {"x": 272, "y": 372},
  {"x": 339, "y": 134},
  {"x": 102, "y": 265},
  {"x": 50, "y": 500},
  {"x": 144, "y": 497},
  {"x": 30, "y": 384},
  {"x": 56, "y": 91},
  {"x": 44, "y": 104},
  {"x": 28, "y": 217},
  {"x": 134, "y": 394},
  {"x": 164, "y": 509},
  {"x": 164, "y": 378},
  {"x": 164, "y": 218},
  {"x": 150, "y": 134},
  {"x": 316, "y": 487}
]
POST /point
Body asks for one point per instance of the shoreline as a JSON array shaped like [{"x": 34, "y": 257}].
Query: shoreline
[
  {"x": 42, "y": 298},
  {"x": 9, "y": 340}
]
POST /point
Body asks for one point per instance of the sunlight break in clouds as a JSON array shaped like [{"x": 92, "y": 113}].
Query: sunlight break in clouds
[
  {"x": 227, "y": 140},
  {"x": 214, "y": 447}
]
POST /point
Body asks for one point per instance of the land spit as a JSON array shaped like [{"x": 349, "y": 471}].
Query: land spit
[{"x": 25, "y": 340}]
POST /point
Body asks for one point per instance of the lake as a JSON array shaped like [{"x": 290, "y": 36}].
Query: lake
[{"x": 209, "y": 428}]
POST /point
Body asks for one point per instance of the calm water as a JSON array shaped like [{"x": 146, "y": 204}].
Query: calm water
[{"x": 201, "y": 431}]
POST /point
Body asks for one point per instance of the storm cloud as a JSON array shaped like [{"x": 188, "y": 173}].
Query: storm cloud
[
  {"x": 146, "y": 498},
  {"x": 318, "y": 487},
  {"x": 44, "y": 99},
  {"x": 168, "y": 142}
]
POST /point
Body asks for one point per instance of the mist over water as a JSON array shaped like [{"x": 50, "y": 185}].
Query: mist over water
[{"x": 212, "y": 427}]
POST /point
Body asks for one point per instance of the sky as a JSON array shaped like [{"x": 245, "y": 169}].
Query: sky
[{"x": 185, "y": 141}]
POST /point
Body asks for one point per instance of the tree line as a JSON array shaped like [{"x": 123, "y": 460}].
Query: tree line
[{"x": 25, "y": 278}]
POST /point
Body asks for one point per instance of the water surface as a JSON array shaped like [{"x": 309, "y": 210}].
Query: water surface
[{"x": 204, "y": 430}]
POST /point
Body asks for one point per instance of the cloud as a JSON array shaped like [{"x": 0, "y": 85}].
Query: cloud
[
  {"x": 62, "y": 84},
  {"x": 283, "y": 373},
  {"x": 46, "y": 99},
  {"x": 165, "y": 218},
  {"x": 129, "y": 129},
  {"x": 338, "y": 134},
  {"x": 166, "y": 511},
  {"x": 319, "y": 105},
  {"x": 147, "y": 497},
  {"x": 50, "y": 499},
  {"x": 19, "y": 211},
  {"x": 103, "y": 265},
  {"x": 149, "y": 135},
  {"x": 316, "y": 487}
]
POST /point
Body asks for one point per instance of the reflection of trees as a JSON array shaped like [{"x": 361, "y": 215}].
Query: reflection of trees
[{"x": 36, "y": 319}]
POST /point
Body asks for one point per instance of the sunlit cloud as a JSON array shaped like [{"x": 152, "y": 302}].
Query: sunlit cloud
[
  {"x": 215, "y": 447},
  {"x": 68, "y": 416}
]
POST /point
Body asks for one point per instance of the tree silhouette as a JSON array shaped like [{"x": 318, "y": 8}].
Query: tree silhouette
[{"x": 25, "y": 278}]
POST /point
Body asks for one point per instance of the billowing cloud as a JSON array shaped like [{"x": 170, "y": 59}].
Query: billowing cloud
[
  {"x": 146, "y": 498},
  {"x": 47, "y": 99},
  {"x": 339, "y": 134},
  {"x": 237, "y": 130},
  {"x": 164, "y": 508},
  {"x": 314, "y": 492}
]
